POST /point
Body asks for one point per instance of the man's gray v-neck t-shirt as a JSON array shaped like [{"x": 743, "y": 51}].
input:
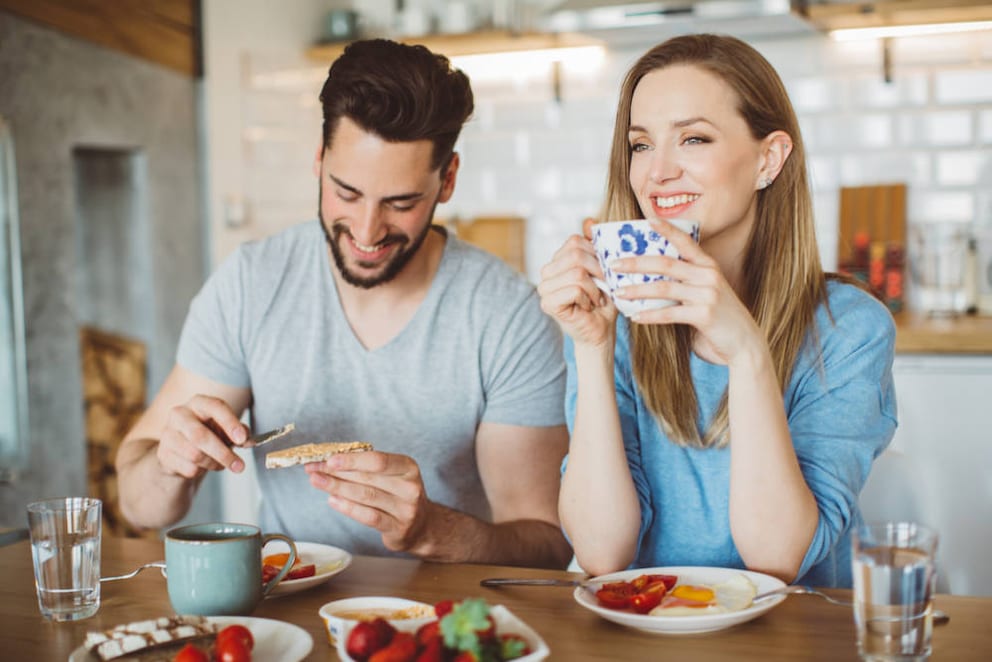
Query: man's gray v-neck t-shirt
[{"x": 478, "y": 349}]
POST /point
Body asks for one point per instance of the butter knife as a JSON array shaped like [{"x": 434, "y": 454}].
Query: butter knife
[
  {"x": 508, "y": 581},
  {"x": 265, "y": 437}
]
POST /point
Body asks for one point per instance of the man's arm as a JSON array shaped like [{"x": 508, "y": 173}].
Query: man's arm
[
  {"x": 185, "y": 432},
  {"x": 519, "y": 467},
  {"x": 521, "y": 473}
]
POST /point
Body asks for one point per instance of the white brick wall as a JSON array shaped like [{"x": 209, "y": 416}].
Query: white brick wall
[{"x": 523, "y": 153}]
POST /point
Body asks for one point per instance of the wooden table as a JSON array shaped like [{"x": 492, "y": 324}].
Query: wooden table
[{"x": 801, "y": 628}]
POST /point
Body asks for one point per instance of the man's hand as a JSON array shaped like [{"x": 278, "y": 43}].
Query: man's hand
[
  {"x": 198, "y": 437},
  {"x": 176, "y": 441},
  {"x": 380, "y": 490}
]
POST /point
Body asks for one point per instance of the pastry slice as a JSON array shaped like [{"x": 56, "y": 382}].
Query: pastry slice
[
  {"x": 304, "y": 453},
  {"x": 139, "y": 640}
]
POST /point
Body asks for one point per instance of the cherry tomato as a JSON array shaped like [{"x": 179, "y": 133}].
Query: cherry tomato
[
  {"x": 612, "y": 599},
  {"x": 642, "y": 603},
  {"x": 232, "y": 650},
  {"x": 190, "y": 653},
  {"x": 239, "y": 632},
  {"x": 623, "y": 588},
  {"x": 301, "y": 571},
  {"x": 639, "y": 582},
  {"x": 269, "y": 572},
  {"x": 669, "y": 580}
]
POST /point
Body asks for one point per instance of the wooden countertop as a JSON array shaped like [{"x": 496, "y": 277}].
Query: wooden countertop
[{"x": 966, "y": 334}]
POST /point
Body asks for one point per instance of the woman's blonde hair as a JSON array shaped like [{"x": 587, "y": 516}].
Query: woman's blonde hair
[{"x": 783, "y": 282}]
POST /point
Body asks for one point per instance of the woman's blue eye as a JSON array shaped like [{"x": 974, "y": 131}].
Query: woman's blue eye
[{"x": 638, "y": 147}]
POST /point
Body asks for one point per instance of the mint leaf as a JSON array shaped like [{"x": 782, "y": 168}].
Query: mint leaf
[
  {"x": 512, "y": 647},
  {"x": 460, "y": 627}
]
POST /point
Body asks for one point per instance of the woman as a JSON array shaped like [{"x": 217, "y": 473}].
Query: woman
[{"x": 737, "y": 428}]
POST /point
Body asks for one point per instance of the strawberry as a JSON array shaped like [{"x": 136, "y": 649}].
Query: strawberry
[
  {"x": 403, "y": 648},
  {"x": 384, "y": 628},
  {"x": 428, "y": 632},
  {"x": 466, "y": 656},
  {"x": 432, "y": 652},
  {"x": 443, "y": 608},
  {"x": 367, "y": 637},
  {"x": 488, "y": 633}
]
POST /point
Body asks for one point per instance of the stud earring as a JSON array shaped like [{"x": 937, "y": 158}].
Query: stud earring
[{"x": 765, "y": 183}]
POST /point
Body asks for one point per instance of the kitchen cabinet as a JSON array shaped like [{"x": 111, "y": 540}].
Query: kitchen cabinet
[{"x": 938, "y": 469}]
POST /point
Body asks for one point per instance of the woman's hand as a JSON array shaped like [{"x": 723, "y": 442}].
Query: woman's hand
[
  {"x": 569, "y": 295},
  {"x": 725, "y": 328}
]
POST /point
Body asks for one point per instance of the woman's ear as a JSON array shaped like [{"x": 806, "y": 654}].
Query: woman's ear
[{"x": 775, "y": 150}]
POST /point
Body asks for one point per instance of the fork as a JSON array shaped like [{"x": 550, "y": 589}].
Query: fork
[
  {"x": 129, "y": 575},
  {"x": 799, "y": 589},
  {"x": 939, "y": 617}
]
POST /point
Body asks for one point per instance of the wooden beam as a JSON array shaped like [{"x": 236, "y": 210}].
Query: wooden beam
[
  {"x": 472, "y": 43},
  {"x": 166, "y": 32},
  {"x": 886, "y": 13}
]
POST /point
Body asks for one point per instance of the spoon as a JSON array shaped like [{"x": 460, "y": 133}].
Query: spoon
[{"x": 129, "y": 575}]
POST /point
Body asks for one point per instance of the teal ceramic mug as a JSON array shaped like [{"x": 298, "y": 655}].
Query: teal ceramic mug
[{"x": 216, "y": 569}]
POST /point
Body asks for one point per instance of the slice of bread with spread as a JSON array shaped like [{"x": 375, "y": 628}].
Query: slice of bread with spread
[
  {"x": 154, "y": 639},
  {"x": 305, "y": 453}
]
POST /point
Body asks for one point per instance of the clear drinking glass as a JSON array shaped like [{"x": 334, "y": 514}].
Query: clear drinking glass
[
  {"x": 65, "y": 547},
  {"x": 937, "y": 264},
  {"x": 894, "y": 578}
]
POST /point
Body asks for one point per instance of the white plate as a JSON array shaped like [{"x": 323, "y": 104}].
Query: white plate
[
  {"x": 275, "y": 641},
  {"x": 506, "y": 623},
  {"x": 682, "y": 624},
  {"x": 329, "y": 561}
]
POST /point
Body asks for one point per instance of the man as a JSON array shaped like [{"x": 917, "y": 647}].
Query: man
[{"x": 372, "y": 325}]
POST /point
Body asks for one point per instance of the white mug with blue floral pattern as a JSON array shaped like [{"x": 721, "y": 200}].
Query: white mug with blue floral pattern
[{"x": 620, "y": 239}]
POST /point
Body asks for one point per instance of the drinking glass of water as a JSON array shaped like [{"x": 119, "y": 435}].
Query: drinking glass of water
[
  {"x": 65, "y": 547},
  {"x": 894, "y": 578}
]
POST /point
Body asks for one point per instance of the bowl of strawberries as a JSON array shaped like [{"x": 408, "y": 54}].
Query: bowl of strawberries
[{"x": 468, "y": 630}]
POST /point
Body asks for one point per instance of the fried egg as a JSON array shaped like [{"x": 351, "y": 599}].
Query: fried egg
[{"x": 734, "y": 594}]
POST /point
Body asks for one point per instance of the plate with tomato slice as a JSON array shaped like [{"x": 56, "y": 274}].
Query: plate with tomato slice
[
  {"x": 315, "y": 564},
  {"x": 641, "y": 598}
]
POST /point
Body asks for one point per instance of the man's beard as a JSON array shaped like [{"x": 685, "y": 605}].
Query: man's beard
[{"x": 407, "y": 249}]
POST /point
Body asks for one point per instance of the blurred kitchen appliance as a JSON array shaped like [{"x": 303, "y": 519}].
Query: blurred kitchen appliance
[
  {"x": 983, "y": 269},
  {"x": 938, "y": 263},
  {"x": 340, "y": 25},
  {"x": 871, "y": 240}
]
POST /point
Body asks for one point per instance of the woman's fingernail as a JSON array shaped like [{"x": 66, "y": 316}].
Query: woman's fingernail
[
  {"x": 237, "y": 466},
  {"x": 238, "y": 435}
]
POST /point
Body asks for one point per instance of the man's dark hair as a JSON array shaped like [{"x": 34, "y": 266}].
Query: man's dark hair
[{"x": 400, "y": 93}]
